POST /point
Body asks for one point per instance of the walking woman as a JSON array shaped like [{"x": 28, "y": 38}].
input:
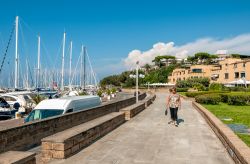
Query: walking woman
[{"x": 174, "y": 103}]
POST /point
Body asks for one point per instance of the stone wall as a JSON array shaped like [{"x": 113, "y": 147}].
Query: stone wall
[{"x": 30, "y": 134}]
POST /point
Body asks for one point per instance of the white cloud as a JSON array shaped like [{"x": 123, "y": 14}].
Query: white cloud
[{"x": 239, "y": 44}]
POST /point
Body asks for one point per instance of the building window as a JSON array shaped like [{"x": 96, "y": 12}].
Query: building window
[
  {"x": 242, "y": 74},
  {"x": 236, "y": 75},
  {"x": 197, "y": 70},
  {"x": 244, "y": 64},
  {"x": 226, "y": 64},
  {"x": 235, "y": 65},
  {"x": 226, "y": 75}
]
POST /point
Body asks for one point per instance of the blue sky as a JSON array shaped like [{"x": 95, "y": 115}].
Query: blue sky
[{"x": 111, "y": 29}]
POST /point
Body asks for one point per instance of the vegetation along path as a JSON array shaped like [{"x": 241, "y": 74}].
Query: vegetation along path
[{"x": 148, "y": 138}]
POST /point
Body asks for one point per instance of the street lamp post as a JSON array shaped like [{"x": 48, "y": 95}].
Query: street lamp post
[
  {"x": 137, "y": 80},
  {"x": 137, "y": 68}
]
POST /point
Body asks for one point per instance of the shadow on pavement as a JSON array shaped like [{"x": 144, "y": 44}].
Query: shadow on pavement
[{"x": 180, "y": 121}]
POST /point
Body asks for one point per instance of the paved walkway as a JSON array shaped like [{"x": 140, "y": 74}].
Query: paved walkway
[{"x": 148, "y": 139}]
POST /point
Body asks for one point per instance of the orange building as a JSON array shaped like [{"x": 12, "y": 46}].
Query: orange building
[{"x": 227, "y": 70}]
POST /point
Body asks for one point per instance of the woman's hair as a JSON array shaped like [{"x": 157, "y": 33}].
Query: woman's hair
[
  {"x": 170, "y": 90},
  {"x": 174, "y": 89}
]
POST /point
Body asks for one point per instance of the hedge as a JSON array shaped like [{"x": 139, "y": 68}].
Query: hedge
[
  {"x": 238, "y": 98},
  {"x": 233, "y": 100},
  {"x": 182, "y": 89},
  {"x": 239, "y": 89},
  {"x": 208, "y": 99},
  {"x": 193, "y": 94}
]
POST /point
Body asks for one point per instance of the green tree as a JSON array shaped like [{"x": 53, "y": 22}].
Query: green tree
[
  {"x": 192, "y": 59},
  {"x": 202, "y": 55},
  {"x": 147, "y": 67},
  {"x": 160, "y": 75},
  {"x": 158, "y": 60},
  {"x": 110, "y": 80},
  {"x": 235, "y": 56}
]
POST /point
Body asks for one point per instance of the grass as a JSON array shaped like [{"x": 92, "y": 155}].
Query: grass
[
  {"x": 239, "y": 115},
  {"x": 245, "y": 138}
]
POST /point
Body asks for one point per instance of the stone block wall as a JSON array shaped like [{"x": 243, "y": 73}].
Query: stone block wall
[
  {"x": 30, "y": 134},
  {"x": 133, "y": 110},
  {"x": 59, "y": 147}
]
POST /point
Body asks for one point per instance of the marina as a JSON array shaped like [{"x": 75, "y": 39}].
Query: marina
[{"x": 24, "y": 90}]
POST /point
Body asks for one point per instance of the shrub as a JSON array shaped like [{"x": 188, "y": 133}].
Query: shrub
[
  {"x": 216, "y": 87},
  {"x": 108, "y": 91},
  {"x": 99, "y": 93},
  {"x": 183, "y": 84},
  {"x": 182, "y": 89},
  {"x": 198, "y": 86},
  {"x": 191, "y": 81},
  {"x": 204, "y": 81},
  {"x": 113, "y": 90},
  {"x": 238, "y": 99},
  {"x": 208, "y": 99}
]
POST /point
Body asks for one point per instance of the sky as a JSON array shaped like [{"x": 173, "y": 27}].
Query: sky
[{"x": 117, "y": 33}]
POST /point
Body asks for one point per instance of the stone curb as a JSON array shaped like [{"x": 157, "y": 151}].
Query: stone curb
[{"x": 236, "y": 148}]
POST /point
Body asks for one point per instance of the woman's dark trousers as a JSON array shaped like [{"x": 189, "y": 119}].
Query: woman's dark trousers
[{"x": 173, "y": 113}]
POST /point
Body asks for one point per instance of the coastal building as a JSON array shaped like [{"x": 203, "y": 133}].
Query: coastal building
[{"x": 225, "y": 71}]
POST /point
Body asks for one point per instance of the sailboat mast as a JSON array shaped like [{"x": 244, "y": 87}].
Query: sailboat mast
[
  {"x": 70, "y": 62},
  {"x": 84, "y": 73},
  {"x": 81, "y": 67},
  {"x": 27, "y": 74},
  {"x": 16, "y": 55},
  {"x": 64, "y": 36},
  {"x": 38, "y": 64}
]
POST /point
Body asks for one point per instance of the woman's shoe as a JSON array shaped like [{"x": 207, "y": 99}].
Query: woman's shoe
[{"x": 176, "y": 124}]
